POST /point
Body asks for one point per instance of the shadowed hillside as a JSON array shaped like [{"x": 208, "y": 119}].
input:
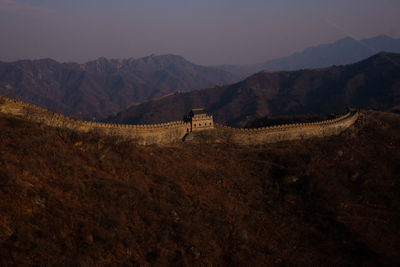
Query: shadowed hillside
[
  {"x": 84, "y": 199},
  {"x": 100, "y": 88},
  {"x": 373, "y": 83}
]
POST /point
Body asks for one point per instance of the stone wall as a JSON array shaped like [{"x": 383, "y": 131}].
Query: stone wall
[
  {"x": 202, "y": 122},
  {"x": 162, "y": 133},
  {"x": 288, "y": 132},
  {"x": 175, "y": 132}
]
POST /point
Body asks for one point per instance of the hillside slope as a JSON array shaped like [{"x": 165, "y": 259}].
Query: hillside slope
[
  {"x": 372, "y": 83},
  {"x": 74, "y": 199},
  {"x": 100, "y": 88}
]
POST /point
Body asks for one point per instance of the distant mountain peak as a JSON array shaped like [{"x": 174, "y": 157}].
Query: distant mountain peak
[
  {"x": 345, "y": 39},
  {"x": 38, "y": 61},
  {"x": 380, "y": 37},
  {"x": 385, "y": 54},
  {"x": 163, "y": 56},
  {"x": 384, "y": 57},
  {"x": 344, "y": 51}
]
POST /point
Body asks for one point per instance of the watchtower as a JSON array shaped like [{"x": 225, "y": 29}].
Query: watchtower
[{"x": 200, "y": 120}]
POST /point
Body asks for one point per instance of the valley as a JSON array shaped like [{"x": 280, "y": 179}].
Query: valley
[{"x": 373, "y": 83}]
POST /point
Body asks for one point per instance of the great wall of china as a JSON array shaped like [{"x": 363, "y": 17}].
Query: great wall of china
[{"x": 175, "y": 132}]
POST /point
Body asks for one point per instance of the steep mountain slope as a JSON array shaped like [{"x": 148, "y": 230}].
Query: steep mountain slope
[
  {"x": 343, "y": 51},
  {"x": 102, "y": 87},
  {"x": 373, "y": 83},
  {"x": 69, "y": 199}
]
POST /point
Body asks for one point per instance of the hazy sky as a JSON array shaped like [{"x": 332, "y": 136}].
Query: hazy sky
[{"x": 203, "y": 31}]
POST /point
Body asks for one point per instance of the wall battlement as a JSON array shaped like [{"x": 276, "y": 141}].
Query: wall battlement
[
  {"x": 288, "y": 132},
  {"x": 286, "y": 126},
  {"x": 176, "y": 131}
]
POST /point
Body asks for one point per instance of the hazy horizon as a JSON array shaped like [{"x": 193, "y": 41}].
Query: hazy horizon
[{"x": 206, "y": 33}]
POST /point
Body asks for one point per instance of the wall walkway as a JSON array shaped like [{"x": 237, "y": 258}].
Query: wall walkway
[{"x": 288, "y": 132}]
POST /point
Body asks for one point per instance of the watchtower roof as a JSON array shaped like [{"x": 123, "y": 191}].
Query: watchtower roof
[{"x": 197, "y": 111}]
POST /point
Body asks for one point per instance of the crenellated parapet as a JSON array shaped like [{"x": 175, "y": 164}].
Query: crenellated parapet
[
  {"x": 289, "y": 132},
  {"x": 175, "y": 132},
  {"x": 160, "y": 133},
  {"x": 289, "y": 126},
  {"x": 200, "y": 120}
]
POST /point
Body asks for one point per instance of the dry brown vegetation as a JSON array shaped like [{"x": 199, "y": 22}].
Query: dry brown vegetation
[{"x": 84, "y": 199}]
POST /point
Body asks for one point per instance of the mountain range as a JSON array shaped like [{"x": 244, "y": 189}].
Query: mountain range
[
  {"x": 344, "y": 51},
  {"x": 100, "y": 88},
  {"x": 373, "y": 83}
]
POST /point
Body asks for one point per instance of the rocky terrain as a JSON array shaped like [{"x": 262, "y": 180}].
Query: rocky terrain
[
  {"x": 373, "y": 83},
  {"x": 91, "y": 200},
  {"x": 103, "y": 87}
]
